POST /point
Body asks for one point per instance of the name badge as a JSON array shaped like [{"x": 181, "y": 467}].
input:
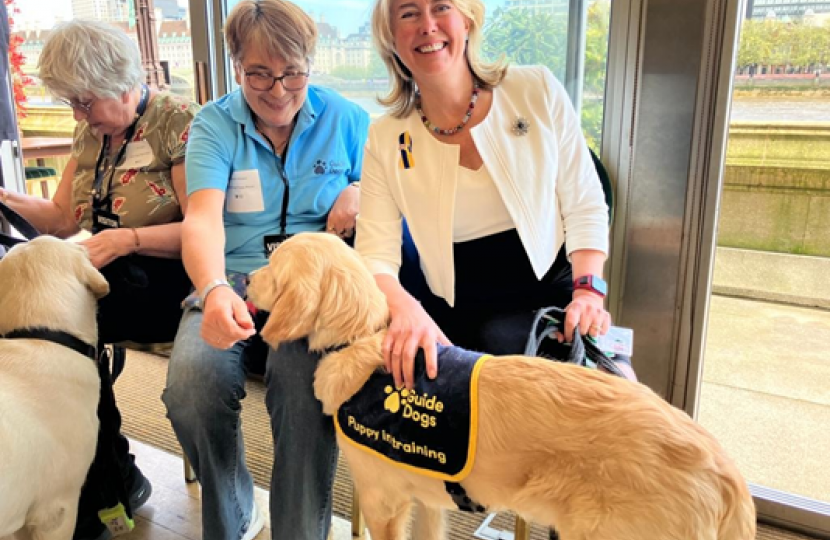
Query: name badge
[
  {"x": 272, "y": 242},
  {"x": 245, "y": 192},
  {"x": 139, "y": 154},
  {"x": 102, "y": 220}
]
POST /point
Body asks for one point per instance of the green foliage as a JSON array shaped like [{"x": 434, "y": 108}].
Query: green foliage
[
  {"x": 596, "y": 67},
  {"x": 783, "y": 43},
  {"x": 539, "y": 37},
  {"x": 528, "y": 36}
]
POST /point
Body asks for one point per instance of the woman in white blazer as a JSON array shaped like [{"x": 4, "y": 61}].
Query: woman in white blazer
[{"x": 488, "y": 166}]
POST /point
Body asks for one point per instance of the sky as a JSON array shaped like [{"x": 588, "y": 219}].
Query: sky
[{"x": 347, "y": 15}]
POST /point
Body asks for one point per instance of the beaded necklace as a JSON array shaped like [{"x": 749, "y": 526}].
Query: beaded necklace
[{"x": 429, "y": 125}]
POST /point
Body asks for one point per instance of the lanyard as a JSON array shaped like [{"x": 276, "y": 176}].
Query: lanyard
[
  {"x": 100, "y": 169},
  {"x": 285, "y": 193}
]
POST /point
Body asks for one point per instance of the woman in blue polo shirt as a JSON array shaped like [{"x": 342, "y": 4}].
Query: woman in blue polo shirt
[{"x": 273, "y": 158}]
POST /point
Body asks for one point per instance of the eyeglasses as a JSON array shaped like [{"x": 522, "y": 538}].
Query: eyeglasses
[
  {"x": 263, "y": 82},
  {"x": 79, "y": 105}
]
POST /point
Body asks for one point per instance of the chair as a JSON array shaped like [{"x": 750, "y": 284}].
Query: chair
[{"x": 41, "y": 181}]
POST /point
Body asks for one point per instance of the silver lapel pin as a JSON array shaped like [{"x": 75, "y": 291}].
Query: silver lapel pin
[{"x": 520, "y": 126}]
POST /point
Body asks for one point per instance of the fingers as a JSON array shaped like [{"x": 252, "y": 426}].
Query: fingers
[
  {"x": 226, "y": 319},
  {"x": 341, "y": 231},
  {"x": 431, "y": 354},
  {"x": 587, "y": 315},
  {"x": 401, "y": 344}
]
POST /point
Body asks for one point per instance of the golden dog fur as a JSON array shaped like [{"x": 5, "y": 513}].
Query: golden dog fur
[
  {"x": 49, "y": 393},
  {"x": 595, "y": 456}
]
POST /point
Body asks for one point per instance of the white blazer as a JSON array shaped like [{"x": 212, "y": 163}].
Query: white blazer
[{"x": 545, "y": 176}]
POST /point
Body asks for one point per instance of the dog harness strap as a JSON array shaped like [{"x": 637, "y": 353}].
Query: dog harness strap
[
  {"x": 55, "y": 336},
  {"x": 460, "y": 498}
]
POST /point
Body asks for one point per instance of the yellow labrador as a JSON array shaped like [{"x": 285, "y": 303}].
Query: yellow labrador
[
  {"x": 49, "y": 391},
  {"x": 596, "y": 456}
]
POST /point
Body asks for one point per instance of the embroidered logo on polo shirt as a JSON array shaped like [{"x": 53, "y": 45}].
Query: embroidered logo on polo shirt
[{"x": 330, "y": 167}]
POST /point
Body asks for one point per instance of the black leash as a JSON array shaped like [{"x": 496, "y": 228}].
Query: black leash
[
  {"x": 18, "y": 222},
  {"x": 581, "y": 349}
]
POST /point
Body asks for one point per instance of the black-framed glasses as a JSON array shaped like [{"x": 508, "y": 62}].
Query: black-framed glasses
[
  {"x": 84, "y": 107},
  {"x": 290, "y": 80}
]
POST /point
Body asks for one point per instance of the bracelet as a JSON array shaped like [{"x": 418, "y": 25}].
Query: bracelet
[
  {"x": 355, "y": 184},
  {"x": 137, "y": 240},
  {"x": 209, "y": 288}
]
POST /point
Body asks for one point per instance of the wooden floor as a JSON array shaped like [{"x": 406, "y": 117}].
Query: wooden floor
[{"x": 173, "y": 512}]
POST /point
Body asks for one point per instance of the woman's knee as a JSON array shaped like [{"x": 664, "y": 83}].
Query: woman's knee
[{"x": 203, "y": 383}]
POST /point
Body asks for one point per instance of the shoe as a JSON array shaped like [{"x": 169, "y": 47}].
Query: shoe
[
  {"x": 255, "y": 524},
  {"x": 140, "y": 490},
  {"x": 553, "y": 535}
]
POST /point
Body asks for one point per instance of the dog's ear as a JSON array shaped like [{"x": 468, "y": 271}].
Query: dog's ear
[
  {"x": 351, "y": 303},
  {"x": 96, "y": 282},
  {"x": 90, "y": 276},
  {"x": 296, "y": 304}
]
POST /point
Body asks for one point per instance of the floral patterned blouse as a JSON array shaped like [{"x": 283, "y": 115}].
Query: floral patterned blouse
[{"x": 143, "y": 194}]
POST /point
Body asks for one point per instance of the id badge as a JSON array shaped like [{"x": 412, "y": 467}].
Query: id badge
[
  {"x": 272, "y": 242},
  {"x": 102, "y": 220}
]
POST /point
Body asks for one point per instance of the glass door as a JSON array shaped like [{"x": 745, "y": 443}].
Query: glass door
[{"x": 764, "y": 391}]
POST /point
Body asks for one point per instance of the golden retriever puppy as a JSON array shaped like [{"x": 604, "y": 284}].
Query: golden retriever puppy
[
  {"x": 593, "y": 455},
  {"x": 48, "y": 390}
]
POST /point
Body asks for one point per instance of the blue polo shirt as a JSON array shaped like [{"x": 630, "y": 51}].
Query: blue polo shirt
[{"x": 325, "y": 154}]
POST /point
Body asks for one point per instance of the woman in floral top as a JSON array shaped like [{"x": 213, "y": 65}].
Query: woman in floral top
[{"x": 124, "y": 184}]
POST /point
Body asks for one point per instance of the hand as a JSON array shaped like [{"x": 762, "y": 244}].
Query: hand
[
  {"x": 226, "y": 319},
  {"x": 343, "y": 214},
  {"x": 586, "y": 311},
  {"x": 108, "y": 245},
  {"x": 411, "y": 328}
]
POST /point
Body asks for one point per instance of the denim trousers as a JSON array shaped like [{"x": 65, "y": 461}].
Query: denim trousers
[{"x": 203, "y": 393}]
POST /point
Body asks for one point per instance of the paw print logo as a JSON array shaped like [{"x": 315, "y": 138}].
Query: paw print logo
[
  {"x": 393, "y": 400},
  {"x": 319, "y": 167}
]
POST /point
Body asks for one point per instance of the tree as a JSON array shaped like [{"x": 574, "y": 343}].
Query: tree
[
  {"x": 536, "y": 36},
  {"x": 527, "y": 36},
  {"x": 596, "y": 67},
  {"x": 783, "y": 43}
]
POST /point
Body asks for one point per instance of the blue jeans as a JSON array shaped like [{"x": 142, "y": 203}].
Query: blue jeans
[{"x": 204, "y": 389}]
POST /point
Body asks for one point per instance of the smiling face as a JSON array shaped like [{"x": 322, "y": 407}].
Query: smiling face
[
  {"x": 430, "y": 37},
  {"x": 276, "y": 108}
]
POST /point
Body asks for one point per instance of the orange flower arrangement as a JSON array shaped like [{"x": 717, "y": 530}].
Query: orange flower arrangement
[{"x": 16, "y": 60}]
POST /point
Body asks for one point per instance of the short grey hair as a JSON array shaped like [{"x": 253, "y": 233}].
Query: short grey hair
[{"x": 83, "y": 57}]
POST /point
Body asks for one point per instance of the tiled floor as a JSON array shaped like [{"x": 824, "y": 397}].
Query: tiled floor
[{"x": 173, "y": 511}]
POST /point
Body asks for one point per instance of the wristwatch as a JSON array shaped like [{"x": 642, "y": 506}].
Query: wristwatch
[
  {"x": 209, "y": 288},
  {"x": 592, "y": 283}
]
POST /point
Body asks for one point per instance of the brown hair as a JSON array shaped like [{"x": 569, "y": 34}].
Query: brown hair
[{"x": 282, "y": 28}]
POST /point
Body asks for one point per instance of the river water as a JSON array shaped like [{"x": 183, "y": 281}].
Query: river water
[{"x": 742, "y": 110}]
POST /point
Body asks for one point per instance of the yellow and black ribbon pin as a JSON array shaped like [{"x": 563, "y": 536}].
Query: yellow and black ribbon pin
[{"x": 407, "y": 161}]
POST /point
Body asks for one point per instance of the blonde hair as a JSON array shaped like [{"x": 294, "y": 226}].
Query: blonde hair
[
  {"x": 283, "y": 29},
  {"x": 401, "y": 98},
  {"x": 89, "y": 57}
]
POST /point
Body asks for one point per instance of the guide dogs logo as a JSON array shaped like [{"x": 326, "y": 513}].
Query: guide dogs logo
[{"x": 416, "y": 408}]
